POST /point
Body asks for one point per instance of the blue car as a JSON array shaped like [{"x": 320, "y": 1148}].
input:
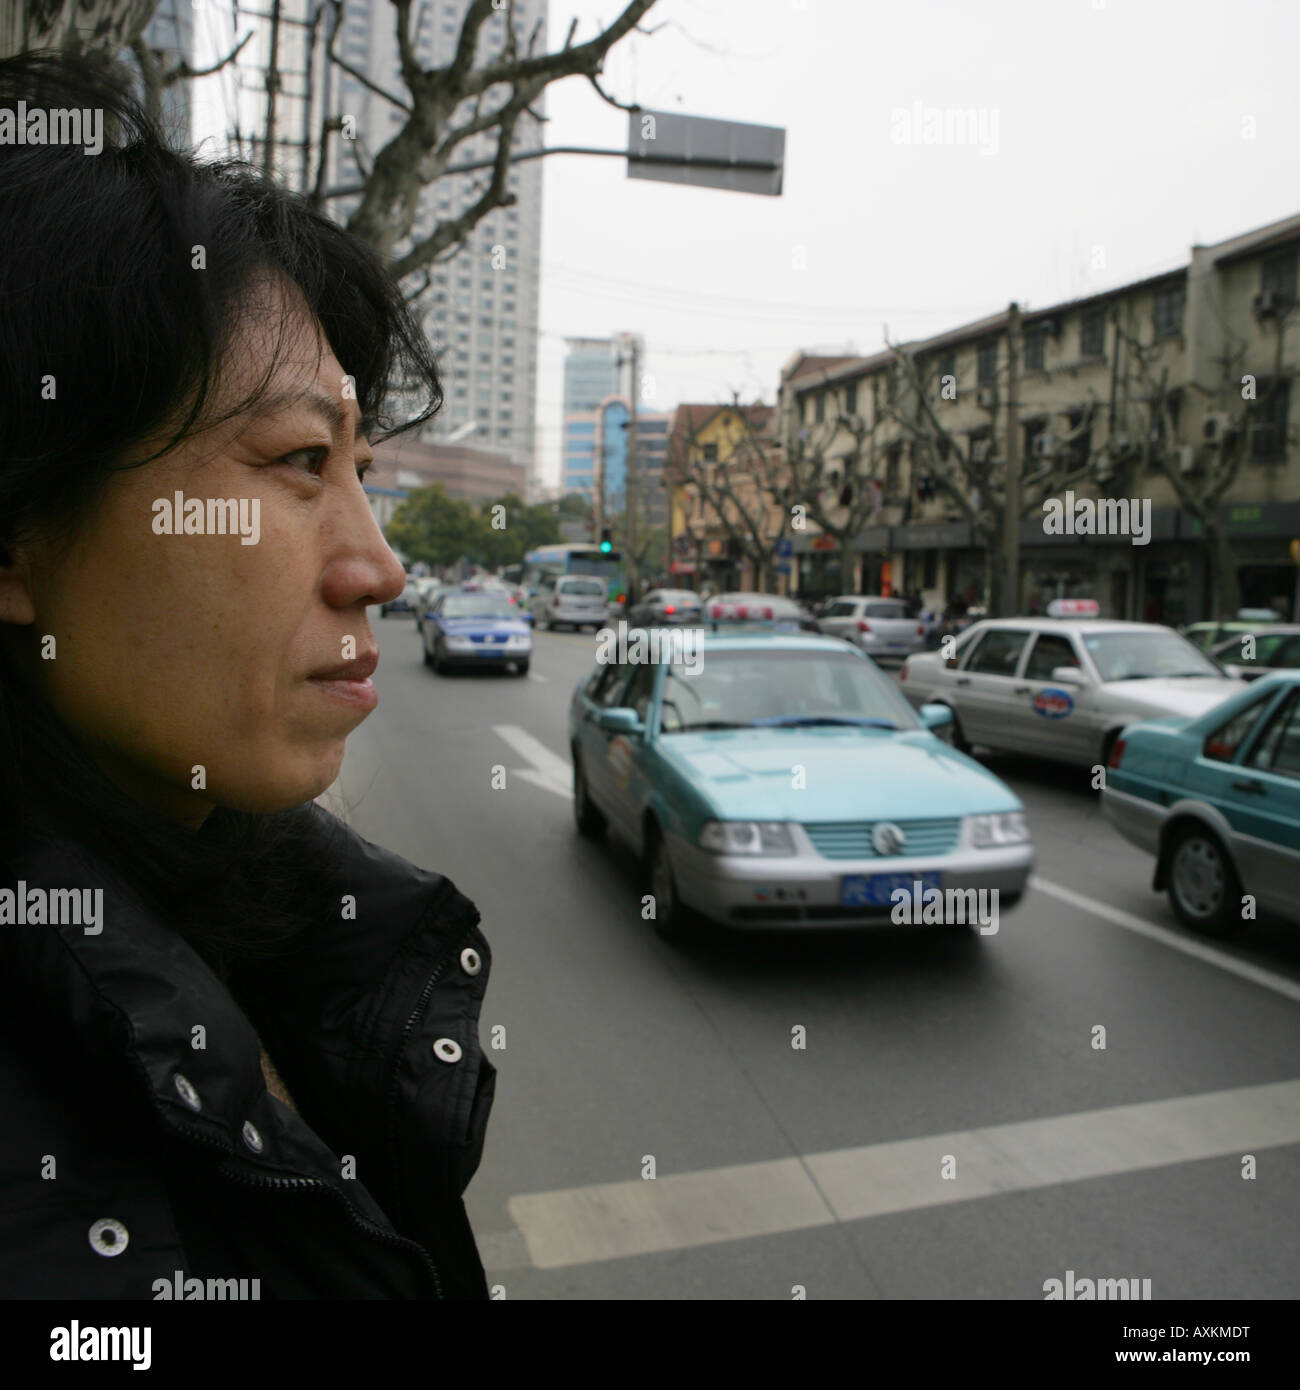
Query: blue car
[
  {"x": 475, "y": 628},
  {"x": 783, "y": 780},
  {"x": 1216, "y": 799}
]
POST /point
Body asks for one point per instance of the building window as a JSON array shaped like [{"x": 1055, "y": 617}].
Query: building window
[
  {"x": 948, "y": 366},
  {"x": 1268, "y": 438},
  {"x": 1167, "y": 311},
  {"x": 709, "y": 453},
  {"x": 1160, "y": 443},
  {"x": 1079, "y": 449},
  {"x": 1092, "y": 333},
  {"x": 1277, "y": 277},
  {"x": 819, "y": 407},
  {"x": 1035, "y": 351},
  {"x": 893, "y": 467},
  {"x": 851, "y": 399},
  {"x": 988, "y": 362}
]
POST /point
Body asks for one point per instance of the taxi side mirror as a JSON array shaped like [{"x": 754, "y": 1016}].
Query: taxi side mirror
[
  {"x": 950, "y": 662},
  {"x": 619, "y": 721},
  {"x": 1069, "y": 675},
  {"x": 935, "y": 716}
]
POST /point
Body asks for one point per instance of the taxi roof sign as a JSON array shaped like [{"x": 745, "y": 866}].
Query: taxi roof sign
[{"x": 1073, "y": 608}]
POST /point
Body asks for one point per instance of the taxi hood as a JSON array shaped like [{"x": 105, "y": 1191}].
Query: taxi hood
[
  {"x": 847, "y": 774},
  {"x": 1186, "y": 697}
]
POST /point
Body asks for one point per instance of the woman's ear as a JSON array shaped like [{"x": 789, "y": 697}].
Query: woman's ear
[{"x": 17, "y": 604}]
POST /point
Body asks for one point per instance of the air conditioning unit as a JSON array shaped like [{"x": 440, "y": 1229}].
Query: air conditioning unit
[
  {"x": 1044, "y": 446},
  {"x": 1217, "y": 427},
  {"x": 1103, "y": 468},
  {"x": 1267, "y": 304},
  {"x": 1052, "y": 327},
  {"x": 1187, "y": 460},
  {"x": 986, "y": 398}
]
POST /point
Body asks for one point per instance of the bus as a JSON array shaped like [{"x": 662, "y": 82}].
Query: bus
[{"x": 577, "y": 558}]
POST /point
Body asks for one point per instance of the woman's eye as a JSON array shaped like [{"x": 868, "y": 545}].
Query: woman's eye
[{"x": 316, "y": 458}]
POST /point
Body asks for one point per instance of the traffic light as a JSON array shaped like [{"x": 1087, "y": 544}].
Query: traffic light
[{"x": 606, "y": 541}]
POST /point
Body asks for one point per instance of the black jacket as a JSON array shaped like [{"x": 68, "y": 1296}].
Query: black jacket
[{"x": 139, "y": 1142}]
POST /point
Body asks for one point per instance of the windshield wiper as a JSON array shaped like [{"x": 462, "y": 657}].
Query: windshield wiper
[{"x": 806, "y": 721}]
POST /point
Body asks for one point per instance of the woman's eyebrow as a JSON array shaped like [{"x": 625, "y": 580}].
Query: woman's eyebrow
[{"x": 316, "y": 401}]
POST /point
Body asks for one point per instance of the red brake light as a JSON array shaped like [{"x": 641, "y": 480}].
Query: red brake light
[
  {"x": 863, "y": 625},
  {"x": 670, "y": 608},
  {"x": 742, "y": 611},
  {"x": 920, "y": 629},
  {"x": 767, "y": 612},
  {"x": 902, "y": 675},
  {"x": 1116, "y": 753}
]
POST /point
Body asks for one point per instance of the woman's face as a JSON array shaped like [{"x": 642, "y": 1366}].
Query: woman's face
[{"x": 206, "y": 669}]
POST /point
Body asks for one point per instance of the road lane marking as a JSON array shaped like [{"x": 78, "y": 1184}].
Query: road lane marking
[
  {"x": 1212, "y": 955},
  {"x": 680, "y": 1211},
  {"x": 541, "y": 680},
  {"x": 546, "y": 769}
]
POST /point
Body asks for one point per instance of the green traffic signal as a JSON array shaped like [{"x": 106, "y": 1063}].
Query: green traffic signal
[{"x": 606, "y": 547}]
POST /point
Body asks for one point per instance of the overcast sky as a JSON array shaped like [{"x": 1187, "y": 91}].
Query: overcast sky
[{"x": 1112, "y": 135}]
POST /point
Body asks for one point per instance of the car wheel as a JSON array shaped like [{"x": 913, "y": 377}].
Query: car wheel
[
  {"x": 383, "y": 612},
  {"x": 521, "y": 668},
  {"x": 673, "y": 920},
  {"x": 589, "y": 820},
  {"x": 1204, "y": 890},
  {"x": 438, "y": 662},
  {"x": 958, "y": 737},
  {"x": 424, "y": 648}
]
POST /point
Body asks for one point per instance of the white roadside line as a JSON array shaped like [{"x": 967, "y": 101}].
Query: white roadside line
[
  {"x": 677, "y": 1211},
  {"x": 545, "y": 769},
  {"x": 1224, "y": 960}
]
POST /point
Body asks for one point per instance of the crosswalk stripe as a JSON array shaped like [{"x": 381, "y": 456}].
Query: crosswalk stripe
[{"x": 683, "y": 1210}]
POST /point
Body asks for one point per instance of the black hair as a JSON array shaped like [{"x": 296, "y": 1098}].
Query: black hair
[{"x": 123, "y": 277}]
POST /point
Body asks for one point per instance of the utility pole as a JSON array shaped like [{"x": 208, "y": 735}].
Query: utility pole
[
  {"x": 1010, "y": 601},
  {"x": 599, "y": 508},
  {"x": 634, "y": 568}
]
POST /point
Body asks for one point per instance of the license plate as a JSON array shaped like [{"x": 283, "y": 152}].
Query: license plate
[{"x": 874, "y": 890}]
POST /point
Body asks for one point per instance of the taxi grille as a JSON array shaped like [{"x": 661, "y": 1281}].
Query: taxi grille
[{"x": 852, "y": 839}]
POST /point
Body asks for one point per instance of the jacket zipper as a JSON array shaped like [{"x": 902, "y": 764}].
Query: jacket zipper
[
  {"x": 421, "y": 1004},
  {"x": 369, "y": 1228}
]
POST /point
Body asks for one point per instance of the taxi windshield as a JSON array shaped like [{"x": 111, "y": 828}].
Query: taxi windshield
[
  {"x": 771, "y": 689},
  {"x": 477, "y": 606},
  {"x": 1135, "y": 656}
]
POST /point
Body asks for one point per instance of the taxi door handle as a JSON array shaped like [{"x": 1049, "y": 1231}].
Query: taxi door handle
[
  {"x": 1021, "y": 690},
  {"x": 1254, "y": 788},
  {"x": 963, "y": 680}
]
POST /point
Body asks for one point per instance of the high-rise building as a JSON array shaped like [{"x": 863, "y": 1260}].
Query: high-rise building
[
  {"x": 591, "y": 372},
  {"x": 596, "y": 444},
  {"x": 481, "y": 307}
]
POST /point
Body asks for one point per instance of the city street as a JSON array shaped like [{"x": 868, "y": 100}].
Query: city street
[{"x": 952, "y": 1128}]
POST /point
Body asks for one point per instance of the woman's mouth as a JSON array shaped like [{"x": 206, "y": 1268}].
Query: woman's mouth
[{"x": 350, "y": 681}]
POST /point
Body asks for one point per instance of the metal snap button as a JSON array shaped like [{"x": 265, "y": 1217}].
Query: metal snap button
[
  {"x": 470, "y": 962},
  {"x": 251, "y": 1137},
  {"x": 187, "y": 1092},
  {"x": 109, "y": 1237},
  {"x": 447, "y": 1050}
]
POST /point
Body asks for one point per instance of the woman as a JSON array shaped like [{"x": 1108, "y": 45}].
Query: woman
[{"x": 239, "y": 1041}]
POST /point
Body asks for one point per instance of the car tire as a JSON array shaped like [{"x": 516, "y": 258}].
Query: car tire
[
  {"x": 589, "y": 820},
  {"x": 437, "y": 661},
  {"x": 424, "y": 648},
  {"x": 959, "y": 740},
  {"x": 673, "y": 920},
  {"x": 1203, "y": 887},
  {"x": 521, "y": 668}
]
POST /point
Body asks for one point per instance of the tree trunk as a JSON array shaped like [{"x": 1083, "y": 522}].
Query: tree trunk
[
  {"x": 847, "y": 557},
  {"x": 1225, "y": 587}
]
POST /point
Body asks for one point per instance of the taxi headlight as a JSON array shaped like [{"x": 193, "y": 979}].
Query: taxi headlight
[
  {"x": 746, "y": 837},
  {"x": 992, "y": 832},
  {"x": 460, "y": 644},
  {"x": 519, "y": 639}
]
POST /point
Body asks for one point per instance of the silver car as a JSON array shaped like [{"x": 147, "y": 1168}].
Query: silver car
[
  {"x": 571, "y": 600},
  {"x": 1063, "y": 688},
  {"x": 879, "y": 626}
]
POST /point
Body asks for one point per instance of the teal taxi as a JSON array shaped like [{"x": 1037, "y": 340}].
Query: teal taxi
[
  {"x": 1216, "y": 800},
  {"x": 783, "y": 780}
]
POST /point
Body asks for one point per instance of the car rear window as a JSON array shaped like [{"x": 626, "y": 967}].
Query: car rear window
[
  {"x": 582, "y": 588},
  {"x": 886, "y": 608}
]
